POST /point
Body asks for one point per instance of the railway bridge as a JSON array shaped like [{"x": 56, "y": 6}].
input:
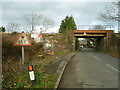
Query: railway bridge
[{"x": 102, "y": 35}]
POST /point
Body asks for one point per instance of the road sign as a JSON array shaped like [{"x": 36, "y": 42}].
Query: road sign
[
  {"x": 40, "y": 35},
  {"x": 22, "y": 40},
  {"x": 84, "y": 34}
]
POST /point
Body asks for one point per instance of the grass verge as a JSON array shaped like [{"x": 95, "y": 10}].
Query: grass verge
[{"x": 23, "y": 81}]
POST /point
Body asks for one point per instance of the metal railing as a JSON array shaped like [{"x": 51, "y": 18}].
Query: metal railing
[{"x": 95, "y": 27}]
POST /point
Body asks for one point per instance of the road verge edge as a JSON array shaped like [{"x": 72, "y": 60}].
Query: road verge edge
[{"x": 62, "y": 71}]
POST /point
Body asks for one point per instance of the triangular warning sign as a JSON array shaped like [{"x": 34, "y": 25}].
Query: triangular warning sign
[{"x": 22, "y": 40}]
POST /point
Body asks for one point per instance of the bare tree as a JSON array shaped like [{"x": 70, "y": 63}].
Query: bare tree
[
  {"x": 34, "y": 19},
  {"x": 12, "y": 27},
  {"x": 45, "y": 24},
  {"x": 110, "y": 14}
]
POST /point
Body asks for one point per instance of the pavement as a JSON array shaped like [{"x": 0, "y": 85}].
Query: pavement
[
  {"x": 58, "y": 66},
  {"x": 55, "y": 67},
  {"x": 90, "y": 69}
]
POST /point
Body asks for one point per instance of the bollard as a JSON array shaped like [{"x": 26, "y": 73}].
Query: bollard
[{"x": 31, "y": 73}]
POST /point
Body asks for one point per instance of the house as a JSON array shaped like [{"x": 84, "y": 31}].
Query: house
[{"x": 38, "y": 38}]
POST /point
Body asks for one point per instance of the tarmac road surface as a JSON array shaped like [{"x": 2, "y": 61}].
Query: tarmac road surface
[{"x": 90, "y": 69}]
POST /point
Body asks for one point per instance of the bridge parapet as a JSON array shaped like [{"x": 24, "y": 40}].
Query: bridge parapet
[
  {"x": 89, "y": 31},
  {"x": 95, "y": 27}
]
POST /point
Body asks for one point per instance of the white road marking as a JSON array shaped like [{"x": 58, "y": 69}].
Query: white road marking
[
  {"x": 107, "y": 64},
  {"x": 90, "y": 53},
  {"x": 112, "y": 67},
  {"x": 96, "y": 57}
]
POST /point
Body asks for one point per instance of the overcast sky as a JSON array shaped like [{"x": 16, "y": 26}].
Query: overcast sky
[{"x": 84, "y": 13}]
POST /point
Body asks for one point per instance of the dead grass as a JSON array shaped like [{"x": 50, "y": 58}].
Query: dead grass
[{"x": 11, "y": 55}]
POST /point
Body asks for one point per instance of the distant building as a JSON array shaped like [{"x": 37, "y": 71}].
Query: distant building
[{"x": 37, "y": 37}]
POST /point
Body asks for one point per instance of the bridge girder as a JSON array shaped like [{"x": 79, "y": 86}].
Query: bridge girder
[{"x": 89, "y": 34}]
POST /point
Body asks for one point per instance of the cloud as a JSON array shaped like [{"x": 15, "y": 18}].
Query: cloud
[
  {"x": 60, "y": 0},
  {"x": 84, "y": 13}
]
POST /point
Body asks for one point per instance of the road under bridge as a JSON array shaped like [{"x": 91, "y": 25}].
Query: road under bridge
[{"x": 102, "y": 35}]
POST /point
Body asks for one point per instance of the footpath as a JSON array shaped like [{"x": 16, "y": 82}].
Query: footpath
[{"x": 57, "y": 66}]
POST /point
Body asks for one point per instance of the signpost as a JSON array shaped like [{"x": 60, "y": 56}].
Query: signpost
[
  {"x": 31, "y": 73},
  {"x": 22, "y": 41},
  {"x": 23, "y": 58},
  {"x": 41, "y": 38}
]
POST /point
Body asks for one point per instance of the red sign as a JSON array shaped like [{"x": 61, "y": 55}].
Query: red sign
[
  {"x": 22, "y": 40},
  {"x": 40, "y": 35}
]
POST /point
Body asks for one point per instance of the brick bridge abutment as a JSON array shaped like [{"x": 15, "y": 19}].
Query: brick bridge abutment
[{"x": 107, "y": 43}]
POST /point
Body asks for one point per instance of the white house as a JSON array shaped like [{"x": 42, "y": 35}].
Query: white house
[{"x": 37, "y": 37}]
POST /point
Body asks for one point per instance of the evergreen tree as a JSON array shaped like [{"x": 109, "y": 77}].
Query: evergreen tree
[
  {"x": 77, "y": 43},
  {"x": 67, "y": 24},
  {"x": 2, "y": 29}
]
